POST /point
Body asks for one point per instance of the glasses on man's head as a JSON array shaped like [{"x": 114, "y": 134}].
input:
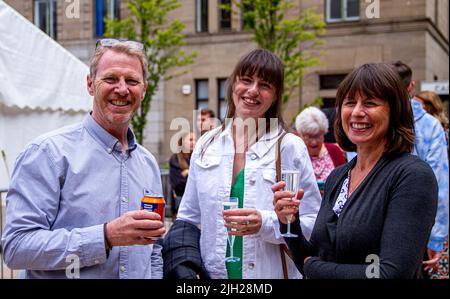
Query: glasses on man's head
[{"x": 110, "y": 42}]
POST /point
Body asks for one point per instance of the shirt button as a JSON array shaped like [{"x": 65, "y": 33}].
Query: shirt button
[
  {"x": 251, "y": 266},
  {"x": 109, "y": 150},
  {"x": 122, "y": 268},
  {"x": 252, "y": 181},
  {"x": 253, "y": 156},
  {"x": 124, "y": 199}
]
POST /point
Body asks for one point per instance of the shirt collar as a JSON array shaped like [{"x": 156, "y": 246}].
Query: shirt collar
[{"x": 108, "y": 141}]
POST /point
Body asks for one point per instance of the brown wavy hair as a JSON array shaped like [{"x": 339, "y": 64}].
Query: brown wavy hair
[{"x": 379, "y": 80}]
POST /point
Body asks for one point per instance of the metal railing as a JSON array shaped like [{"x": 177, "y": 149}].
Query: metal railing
[
  {"x": 7, "y": 273},
  {"x": 167, "y": 191}
]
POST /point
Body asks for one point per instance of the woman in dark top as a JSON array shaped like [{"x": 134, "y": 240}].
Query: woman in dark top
[
  {"x": 179, "y": 169},
  {"x": 378, "y": 209}
]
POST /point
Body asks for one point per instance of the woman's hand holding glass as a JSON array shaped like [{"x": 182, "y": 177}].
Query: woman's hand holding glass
[
  {"x": 239, "y": 222},
  {"x": 285, "y": 203},
  {"x": 291, "y": 178},
  {"x": 245, "y": 221}
]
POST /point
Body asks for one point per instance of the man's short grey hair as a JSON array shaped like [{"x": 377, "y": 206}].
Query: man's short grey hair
[
  {"x": 120, "y": 48},
  {"x": 311, "y": 121}
]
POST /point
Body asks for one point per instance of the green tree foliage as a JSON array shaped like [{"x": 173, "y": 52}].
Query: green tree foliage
[
  {"x": 280, "y": 26},
  {"x": 147, "y": 23}
]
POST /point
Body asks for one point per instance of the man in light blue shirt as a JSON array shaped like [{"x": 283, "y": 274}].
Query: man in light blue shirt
[
  {"x": 431, "y": 146},
  {"x": 73, "y": 206}
]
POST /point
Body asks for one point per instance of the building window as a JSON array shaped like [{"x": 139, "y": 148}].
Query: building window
[
  {"x": 105, "y": 9},
  {"x": 329, "y": 103},
  {"x": 201, "y": 94},
  {"x": 224, "y": 15},
  {"x": 248, "y": 22},
  {"x": 221, "y": 83},
  {"x": 331, "y": 81},
  {"x": 342, "y": 10},
  {"x": 45, "y": 16},
  {"x": 201, "y": 16}
]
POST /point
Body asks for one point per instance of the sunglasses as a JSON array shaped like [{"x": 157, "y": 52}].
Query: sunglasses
[{"x": 110, "y": 42}]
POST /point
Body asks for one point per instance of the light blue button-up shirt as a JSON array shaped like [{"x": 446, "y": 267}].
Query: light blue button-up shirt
[
  {"x": 64, "y": 186},
  {"x": 431, "y": 146}
]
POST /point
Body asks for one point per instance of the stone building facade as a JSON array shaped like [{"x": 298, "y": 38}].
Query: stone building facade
[{"x": 414, "y": 31}]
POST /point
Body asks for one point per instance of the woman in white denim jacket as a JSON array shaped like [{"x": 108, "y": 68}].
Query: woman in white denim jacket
[{"x": 253, "y": 95}]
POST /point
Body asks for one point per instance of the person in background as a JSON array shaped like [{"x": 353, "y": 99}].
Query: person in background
[
  {"x": 330, "y": 113},
  {"x": 432, "y": 103},
  {"x": 206, "y": 121},
  {"x": 379, "y": 207},
  {"x": 75, "y": 193},
  {"x": 311, "y": 125},
  {"x": 238, "y": 159},
  {"x": 179, "y": 169},
  {"x": 430, "y": 146}
]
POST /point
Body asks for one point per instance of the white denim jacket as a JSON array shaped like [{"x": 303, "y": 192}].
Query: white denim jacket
[{"x": 209, "y": 184}]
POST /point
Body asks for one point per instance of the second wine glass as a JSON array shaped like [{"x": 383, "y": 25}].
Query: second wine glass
[
  {"x": 292, "y": 180},
  {"x": 232, "y": 203}
]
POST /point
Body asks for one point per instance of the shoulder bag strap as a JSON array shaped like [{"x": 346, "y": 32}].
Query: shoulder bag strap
[{"x": 283, "y": 247}]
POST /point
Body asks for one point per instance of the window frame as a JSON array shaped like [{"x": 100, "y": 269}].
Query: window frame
[
  {"x": 50, "y": 16},
  {"x": 244, "y": 7},
  {"x": 110, "y": 12},
  {"x": 325, "y": 79},
  {"x": 220, "y": 19},
  {"x": 201, "y": 21},
  {"x": 199, "y": 100},
  {"x": 221, "y": 100},
  {"x": 344, "y": 17}
]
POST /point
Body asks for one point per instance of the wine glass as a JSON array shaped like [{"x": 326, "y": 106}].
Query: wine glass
[
  {"x": 232, "y": 203},
  {"x": 292, "y": 180}
]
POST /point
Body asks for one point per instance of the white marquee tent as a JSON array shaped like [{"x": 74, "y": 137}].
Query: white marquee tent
[{"x": 42, "y": 86}]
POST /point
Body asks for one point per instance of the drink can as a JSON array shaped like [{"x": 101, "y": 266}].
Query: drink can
[{"x": 154, "y": 204}]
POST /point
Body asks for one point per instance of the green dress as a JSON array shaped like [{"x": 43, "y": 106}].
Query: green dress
[{"x": 234, "y": 270}]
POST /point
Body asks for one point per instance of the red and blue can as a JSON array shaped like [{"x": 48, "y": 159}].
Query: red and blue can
[{"x": 154, "y": 204}]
